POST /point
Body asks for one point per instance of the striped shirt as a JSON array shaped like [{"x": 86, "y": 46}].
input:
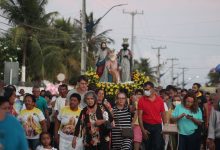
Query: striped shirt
[{"x": 122, "y": 118}]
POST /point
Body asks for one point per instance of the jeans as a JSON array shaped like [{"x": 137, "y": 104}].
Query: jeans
[
  {"x": 217, "y": 143},
  {"x": 189, "y": 142},
  {"x": 33, "y": 143},
  {"x": 155, "y": 138}
]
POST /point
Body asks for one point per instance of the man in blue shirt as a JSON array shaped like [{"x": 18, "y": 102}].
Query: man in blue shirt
[
  {"x": 41, "y": 102},
  {"x": 12, "y": 135}
]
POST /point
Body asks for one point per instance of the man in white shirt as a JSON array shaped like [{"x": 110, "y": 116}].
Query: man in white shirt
[
  {"x": 61, "y": 100},
  {"x": 81, "y": 89}
]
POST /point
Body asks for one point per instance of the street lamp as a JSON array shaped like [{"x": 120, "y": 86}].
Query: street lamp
[
  {"x": 90, "y": 26},
  {"x": 108, "y": 12},
  {"x": 86, "y": 28}
]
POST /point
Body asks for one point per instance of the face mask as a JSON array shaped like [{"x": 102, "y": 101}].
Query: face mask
[
  {"x": 147, "y": 93},
  {"x": 176, "y": 103}
]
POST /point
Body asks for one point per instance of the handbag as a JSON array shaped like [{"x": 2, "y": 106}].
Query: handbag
[
  {"x": 127, "y": 133},
  {"x": 170, "y": 128}
]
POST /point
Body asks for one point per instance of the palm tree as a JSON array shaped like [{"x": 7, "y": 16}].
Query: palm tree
[
  {"x": 94, "y": 39},
  {"x": 61, "y": 49},
  {"x": 214, "y": 77},
  {"x": 29, "y": 17},
  {"x": 144, "y": 66}
]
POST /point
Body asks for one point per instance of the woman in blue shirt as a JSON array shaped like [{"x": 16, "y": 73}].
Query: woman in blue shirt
[
  {"x": 188, "y": 117},
  {"x": 12, "y": 135}
]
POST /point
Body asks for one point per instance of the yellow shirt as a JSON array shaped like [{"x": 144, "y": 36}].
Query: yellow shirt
[
  {"x": 30, "y": 120},
  {"x": 68, "y": 120}
]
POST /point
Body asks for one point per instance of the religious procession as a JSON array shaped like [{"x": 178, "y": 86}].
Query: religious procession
[
  {"x": 85, "y": 117},
  {"x": 67, "y": 83}
]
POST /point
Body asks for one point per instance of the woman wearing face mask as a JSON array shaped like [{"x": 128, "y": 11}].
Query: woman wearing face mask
[
  {"x": 90, "y": 125},
  {"x": 188, "y": 117},
  {"x": 172, "y": 137},
  {"x": 176, "y": 101}
]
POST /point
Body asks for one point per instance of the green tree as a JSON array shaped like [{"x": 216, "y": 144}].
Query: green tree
[
  {"x": 60, "y": 48},
  {"x": 30, "y": 18},
  {"x": 94, "y": 38},
  {"x": 144, "y": 66},
  {"x": 214, "y": 78}
]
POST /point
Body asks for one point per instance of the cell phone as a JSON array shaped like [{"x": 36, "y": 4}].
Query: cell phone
[{"x": 189, "y": 115}]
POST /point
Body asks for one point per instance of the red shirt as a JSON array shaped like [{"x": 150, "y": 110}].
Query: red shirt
[{"x": 151, "y": 109}]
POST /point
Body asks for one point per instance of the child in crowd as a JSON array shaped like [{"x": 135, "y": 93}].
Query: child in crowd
[{"x": 45, "y": 141}]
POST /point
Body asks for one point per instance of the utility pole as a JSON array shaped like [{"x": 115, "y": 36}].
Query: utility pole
[
  {"x": 133, "y": 13},
  {"x": 172, "y": 69},
  {"x": 158, "y": 59},
  {"x": 183, "y": 82},
  {"x": 84, "y": 45},
  {"x": 177, "y": 79}
]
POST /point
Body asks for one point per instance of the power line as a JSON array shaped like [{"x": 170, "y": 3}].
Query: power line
[
  {"x": 194, "y": 68},
  {"x": 3, "y": 30},
  {"x": 181, "y": 37},
  {"x": 179, "y": 42},
  {"x": 171, "y": 41},
  {"x": 6, "y": 24},
  {"x": 3, "y": 16},
  {"x": 27, "y": 25}
]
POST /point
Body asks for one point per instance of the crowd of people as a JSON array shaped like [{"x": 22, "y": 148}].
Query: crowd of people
[{"x": 84, "y": 118}]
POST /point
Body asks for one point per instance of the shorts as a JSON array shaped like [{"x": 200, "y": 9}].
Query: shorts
[{"x": 137, "y": 134}]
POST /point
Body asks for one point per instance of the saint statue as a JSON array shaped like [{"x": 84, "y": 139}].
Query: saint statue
[
  {"x": 101, "y": 58},
  {"x": 125, "y": 61},
  {"x": 113, "y": 68}
]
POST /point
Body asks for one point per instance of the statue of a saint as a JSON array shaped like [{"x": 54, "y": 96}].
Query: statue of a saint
[
  {"x": 113, "y": 68},
  {"x": 125, "y": 61},
  {"x": 101, "y": 57}
]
